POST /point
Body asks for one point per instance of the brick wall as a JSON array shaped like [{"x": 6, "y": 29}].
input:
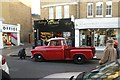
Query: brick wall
[
  {"x": 115, "y": 9},
  {"x": 18, "y": 13},
  {"x": 82, "y": 9}
]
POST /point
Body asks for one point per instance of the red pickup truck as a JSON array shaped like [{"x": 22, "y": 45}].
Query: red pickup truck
[{"x": 57, "y": 49}]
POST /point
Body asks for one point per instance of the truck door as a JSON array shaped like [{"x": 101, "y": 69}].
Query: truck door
[{"x": 55, "y": 51}]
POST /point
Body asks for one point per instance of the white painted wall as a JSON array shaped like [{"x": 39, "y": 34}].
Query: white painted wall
[
  {"x": 12, "y": 29},
  {"x": 18, "y": 34},
  {"x": 1, "y": 39},
  {"x": 97, "y": 23},
  {"x": 77, "y": 38}
]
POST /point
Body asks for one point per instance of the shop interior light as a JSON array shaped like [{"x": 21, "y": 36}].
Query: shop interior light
[
  {"x": 98, "y": 29},
  {"x": 34, "y": 30},
  {"x": 107, "y": 29},
  {"x": 88, "y": 29}
]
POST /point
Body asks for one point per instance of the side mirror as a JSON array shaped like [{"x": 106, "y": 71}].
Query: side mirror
[{"x": 81, "y": 76}]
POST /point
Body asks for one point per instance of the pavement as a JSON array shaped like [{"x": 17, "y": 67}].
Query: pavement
[
  {"x": 99, "y": 51},
  {"x": 13, "y": 50}
]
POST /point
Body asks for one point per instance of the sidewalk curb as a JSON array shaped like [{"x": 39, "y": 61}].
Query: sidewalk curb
[
  {"x": 17, "y": 56},
  {"x": 30, "y": 56},
  {"x": 95, "y": 59}
]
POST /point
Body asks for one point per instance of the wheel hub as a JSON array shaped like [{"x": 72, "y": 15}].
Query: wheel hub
[
  {"x": 39, "y": 56},
  {"x": 79, "y": 58}
]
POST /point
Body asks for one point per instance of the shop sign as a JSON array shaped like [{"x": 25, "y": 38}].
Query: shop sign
[
  {"x": 41, "y": 22},
  {"x": 53, "y": 22},
  {"x": 58, "y": 22},
  {"x": 97, "y": 23},
  {"x": 9, "y": 28}
]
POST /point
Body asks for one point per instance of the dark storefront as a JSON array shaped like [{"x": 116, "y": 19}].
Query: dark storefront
[{"x": 46, "y": 29}]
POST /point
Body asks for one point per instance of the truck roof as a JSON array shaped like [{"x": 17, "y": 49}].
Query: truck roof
[{"x": 59, "y": 38}]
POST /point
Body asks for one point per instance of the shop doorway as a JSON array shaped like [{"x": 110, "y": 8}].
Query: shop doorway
[
  {"x": 9, "y": 39},
  {"x": 86, "y": 37}
]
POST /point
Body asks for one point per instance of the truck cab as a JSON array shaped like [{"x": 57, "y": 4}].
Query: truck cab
[{"x": 57, "y": 49}]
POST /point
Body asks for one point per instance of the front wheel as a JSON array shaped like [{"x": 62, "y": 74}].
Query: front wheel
[
  {"x": 39, "y": 58},
  {"x": 79, "y": 59}
]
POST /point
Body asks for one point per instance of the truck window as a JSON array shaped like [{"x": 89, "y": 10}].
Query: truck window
[
  {"x": 63, "y": 42},
  {"x": 55, "y": 43}
]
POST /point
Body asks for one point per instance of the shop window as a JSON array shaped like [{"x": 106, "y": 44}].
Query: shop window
[
  {"x": 44, "y": 37},
  {"x": 83, "y": 39},
  {"x": 99, "y": 9},
  {"x": 90, "y": 10},
  {"x": 109, "y": 9},
  {"x": 99, "y": 37}
]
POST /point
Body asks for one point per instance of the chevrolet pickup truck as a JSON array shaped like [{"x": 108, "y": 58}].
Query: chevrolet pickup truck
[{"x": 57, "y": 49}]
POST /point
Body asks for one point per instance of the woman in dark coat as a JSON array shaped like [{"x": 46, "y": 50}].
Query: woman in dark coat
[{"x": 22, "y": 53}]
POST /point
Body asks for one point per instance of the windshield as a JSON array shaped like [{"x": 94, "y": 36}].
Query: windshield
[{"x": 108, "y": 71}]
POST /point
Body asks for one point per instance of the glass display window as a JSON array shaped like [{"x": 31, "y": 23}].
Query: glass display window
[
  {"x": 96, "y": 37},
  {"x": 6, "y": 39}
]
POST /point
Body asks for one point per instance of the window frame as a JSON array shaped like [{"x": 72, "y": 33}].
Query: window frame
[
  {"x": 108, "y": 3},
  {"x": 98, "y": 4},
  {"x": 89, "y": 4},
  {"x": 66, "y": 11},
  {"x": 51, "y": 10},
  {"x": 58, "y": 12}
]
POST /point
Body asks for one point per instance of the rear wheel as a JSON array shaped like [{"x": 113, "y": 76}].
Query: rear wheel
[
  {"x": 79, "y": 59},
  {"x": 39, "y": 58}
]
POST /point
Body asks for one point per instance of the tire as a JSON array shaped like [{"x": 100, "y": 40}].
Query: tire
[
  {"x": 38, "y": 58},
  {"x": 79, "y": 59}
]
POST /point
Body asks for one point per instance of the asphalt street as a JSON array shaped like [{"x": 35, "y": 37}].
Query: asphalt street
[{"x": 29, "y": 70}]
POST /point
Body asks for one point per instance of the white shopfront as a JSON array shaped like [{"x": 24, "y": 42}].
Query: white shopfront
[
  {"x": 1, "y": 40},
  {"x": 95, "y": 32},
  {"x": 9, "y": 35}
]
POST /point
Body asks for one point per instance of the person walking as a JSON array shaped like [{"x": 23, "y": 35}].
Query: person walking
[{"x": 110, "y": 53}]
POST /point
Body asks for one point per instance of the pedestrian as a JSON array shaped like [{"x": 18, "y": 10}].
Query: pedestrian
[
  {"x": 22, "y": 53},
  {"x": 117, "y": 48},
  {"x": 109, "y": 53}
]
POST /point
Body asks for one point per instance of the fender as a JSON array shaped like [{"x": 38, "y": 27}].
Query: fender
[
  {"x": 35, "y": 52},
  {"x": 87, "y": 53}
]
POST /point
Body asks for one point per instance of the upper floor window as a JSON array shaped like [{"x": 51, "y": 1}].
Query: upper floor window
[
  {"x": 99, "y": 9},
  {"x": 90, "y": 0},
  {"x": 66, "y": 11},
  {"x": 109, "y": 9},
  {"x": 58, "y": 12},
  {"x": 90, "y": 10},
  {"x": 51, "y": 13}
]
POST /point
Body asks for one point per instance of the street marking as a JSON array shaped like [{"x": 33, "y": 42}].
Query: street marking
[{"x": 10, "y": 53}]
